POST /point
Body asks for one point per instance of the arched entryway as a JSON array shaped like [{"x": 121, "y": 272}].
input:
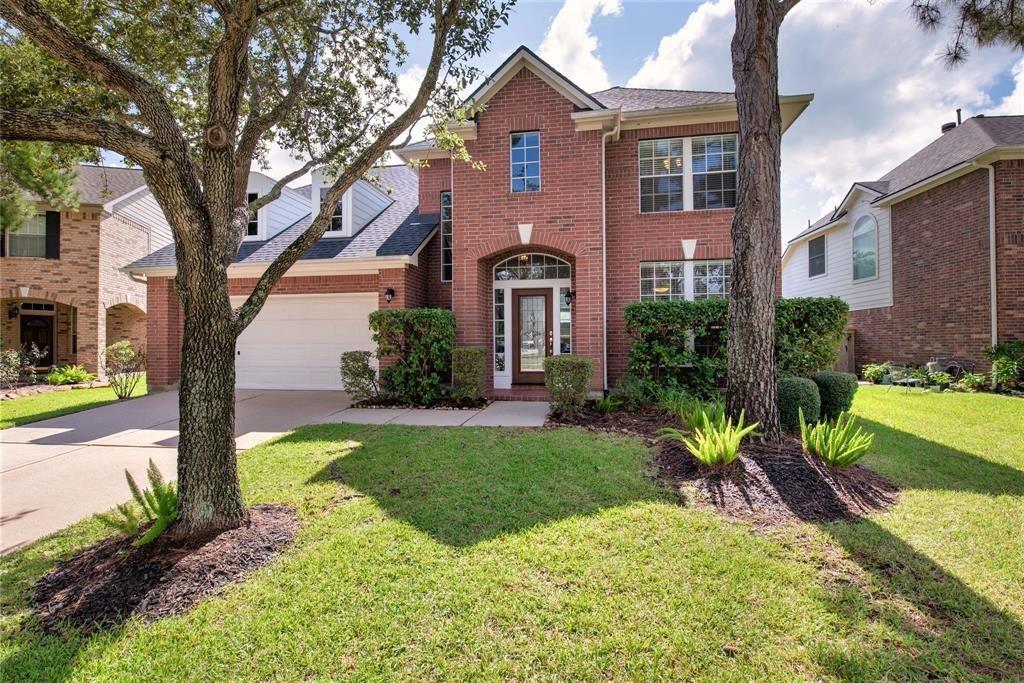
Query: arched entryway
[
  {"x": 532, "y": 312},
  {"x": 126, "y": 321}
]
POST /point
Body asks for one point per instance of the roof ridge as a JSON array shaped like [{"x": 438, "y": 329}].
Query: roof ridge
[{"x": 629, "y": 87}]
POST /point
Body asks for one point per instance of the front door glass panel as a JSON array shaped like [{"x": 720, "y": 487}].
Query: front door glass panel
[{"x": 532, "y": 326}]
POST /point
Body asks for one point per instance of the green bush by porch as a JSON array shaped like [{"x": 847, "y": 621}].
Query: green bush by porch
[{"x": 415, "y": 348}]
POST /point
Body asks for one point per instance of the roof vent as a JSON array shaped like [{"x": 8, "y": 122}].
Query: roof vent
[{"x": 946, "y": 127}]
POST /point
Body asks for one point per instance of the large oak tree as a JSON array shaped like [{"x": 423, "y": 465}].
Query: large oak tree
[{"x": 194, "y": 92}]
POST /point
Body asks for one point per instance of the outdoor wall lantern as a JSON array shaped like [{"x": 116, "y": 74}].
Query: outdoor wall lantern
[
  {"x": 12, "y": 311},
  {"x": 389, "y": 294},
  {"x": 569, "y": 296}
]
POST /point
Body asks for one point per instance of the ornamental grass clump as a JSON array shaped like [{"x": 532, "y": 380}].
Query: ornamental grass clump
[
  {"x": 840, "y": 443},
  {"x": 159, "y": 504},
  {"x": 716, "y": 441}
]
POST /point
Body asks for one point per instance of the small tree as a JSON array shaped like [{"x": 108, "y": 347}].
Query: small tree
[{"x": 123, "y": 365}]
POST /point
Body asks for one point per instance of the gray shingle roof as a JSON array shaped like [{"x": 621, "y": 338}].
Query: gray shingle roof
[
  {"x": 639, "y": 99},
  {"x": 398, "y": 230},
  {"x": 306, "y": 191},
  {"x": 101, "y": 184}
]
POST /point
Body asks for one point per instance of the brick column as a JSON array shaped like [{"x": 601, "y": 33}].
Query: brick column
[{"x": 163, "y": 333}]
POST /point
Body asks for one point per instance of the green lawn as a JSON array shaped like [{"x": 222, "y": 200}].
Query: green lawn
[
  {"x": 19, "y": 411},
  {"x": 434, "y": 554}
]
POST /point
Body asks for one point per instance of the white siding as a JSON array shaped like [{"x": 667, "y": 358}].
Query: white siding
[
  {"x": 142, "y": 208},
  {"x": 280, "y": 213},
  {"x": 367, "y": 203},
  {"x": 838, "y": 277}
]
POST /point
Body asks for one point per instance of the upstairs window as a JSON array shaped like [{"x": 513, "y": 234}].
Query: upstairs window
[
  {"x": 446, "y": 236},
  {"x": 28, "y": 239},
  {"x": 684, "y": 174},
  {"x": 525, "y": 161},
  {"x": 337, "y": 222},
  {"x": 253, "y": 229},
  {"x": 865, "y": 249},
  {"x": 816, "y": 257}
]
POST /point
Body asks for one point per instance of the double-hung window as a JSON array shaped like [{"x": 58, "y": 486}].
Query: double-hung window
[
  {"x": 688, "y": 173},
  {"x": 253, "y": 229},
  {"x": 865, "y": 249},
  {"x": 446, "y": 236},
  {"x": 28, "y": 239},
  {"x": 337, "y": 223},
  {"x": 816, "y": 258},
  {"x": 678, "y": 280},
  {"x": 525, "y": 161}
]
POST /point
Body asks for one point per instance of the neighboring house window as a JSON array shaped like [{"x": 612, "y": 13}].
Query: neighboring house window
[
  {"x": 254, "y": 222},
  {"x": 711, "y": 279},
  {"x": 525, "y": 161},
  {"x": 662, "y": 281},
  {"x": 865, "y": 249},
  {"x": 337, "y": 222},
  {"x": 681, "y": 174},
  {"x": 816, "y": 257},
  {"x": 39, "y": 237},
  {"x": 446, "y": 236}
]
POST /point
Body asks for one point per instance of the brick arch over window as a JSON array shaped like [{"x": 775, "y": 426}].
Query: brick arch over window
[
  {"x": 510, "y": 244},
  {"x": 40, "y": 294},
  {"x": 126, "y": 300}
]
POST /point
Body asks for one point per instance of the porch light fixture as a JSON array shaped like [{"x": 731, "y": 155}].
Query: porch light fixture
[
  {"x": 569, "y": 296},
  {"x": 389, "y": 294},
  {"x": 12, "y": 311}
]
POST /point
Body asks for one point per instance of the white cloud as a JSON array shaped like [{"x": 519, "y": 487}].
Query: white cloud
[
  {"x": 881, "y": 89},
  {"x": 571, "y": 48}
]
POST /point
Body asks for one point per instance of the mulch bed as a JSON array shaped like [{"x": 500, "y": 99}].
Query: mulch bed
[
  {"x": 441, "y": 404},
  {"x": 642, "y": 424},
  {"x": 111, "y": 581}
]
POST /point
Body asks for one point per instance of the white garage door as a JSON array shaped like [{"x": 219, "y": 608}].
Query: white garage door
[{"x": 295, "y": 342}]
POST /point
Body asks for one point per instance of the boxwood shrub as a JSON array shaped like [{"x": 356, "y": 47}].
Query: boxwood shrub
[
  {"x": 836, "y": 390},
  {"x": 358, "y": 376},
  {"x": 415, "y": 348},
  {"x": 468, "y": 370},
  {"x": 567, "y": 378},
  {"x": 797, "y": 393}
]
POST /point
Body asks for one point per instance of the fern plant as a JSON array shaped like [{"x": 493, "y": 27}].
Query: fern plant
[
  {"x": 607, "y": 404},
  {"x": 716, "y": 441},
  {"x": 159, "y": 504},
  {"x": 840, "y": 443}
]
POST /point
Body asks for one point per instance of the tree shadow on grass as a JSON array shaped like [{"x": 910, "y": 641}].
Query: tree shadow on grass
[{"x": 463, "y": 486}]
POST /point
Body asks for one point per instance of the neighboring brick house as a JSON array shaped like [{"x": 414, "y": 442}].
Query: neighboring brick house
[
  {"x": 61, "y": 282},
  {"x": 913, "y": 252},
  {"x": 589, "y": 201}
]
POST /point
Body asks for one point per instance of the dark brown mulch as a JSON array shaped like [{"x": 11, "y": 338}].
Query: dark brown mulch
[
  {"x": 771, "y": 484},
  {"x": 107, "y": 583},
  {"x": 441, "y": 404},
  {"x": 643, "y": 424}
]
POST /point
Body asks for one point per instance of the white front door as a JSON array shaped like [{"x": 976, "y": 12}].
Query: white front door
[{"x": 296, "y": 341}]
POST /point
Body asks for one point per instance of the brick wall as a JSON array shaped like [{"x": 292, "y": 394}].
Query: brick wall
[
  {"x": 163, "y": 332},
  {"x": 1010, "y": 248},
  {"x": 125, "y": 321}
]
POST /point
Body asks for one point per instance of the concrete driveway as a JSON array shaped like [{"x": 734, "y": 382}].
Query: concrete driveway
[{"x": 56, "y": 472}]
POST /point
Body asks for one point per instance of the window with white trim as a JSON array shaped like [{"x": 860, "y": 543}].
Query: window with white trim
[
  {"x": 446, "y": 236},
  {"x": 28, "y": 239},
  {"x": 865, "y": 249},
  {"x": 711, "y": 279},
  {"x": 688, "y": 173},
  {"x": 524, "y": 151},
  {"x": 662, "y": 281},
  {"x": 253, "y": 229},
  {"x": 816, "y": 259},
  {"x": 337, "y": 223}
]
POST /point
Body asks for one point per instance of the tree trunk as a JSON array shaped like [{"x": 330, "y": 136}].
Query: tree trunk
[
  {"x": 756, "y": 224},
  {"x": 209, "y": 495}
]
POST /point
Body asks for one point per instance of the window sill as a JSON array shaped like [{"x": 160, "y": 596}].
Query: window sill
[
  {"x": 334, "y": 234},
  {"x": 531, "y": 193},
  {"x": 864, "y": 279},
  {"x": 35, "y": 258},
  {"x": 676, "y": 211}
]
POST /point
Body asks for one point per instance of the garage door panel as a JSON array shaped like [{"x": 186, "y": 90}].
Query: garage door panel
[{"x": 295, "y": 342}]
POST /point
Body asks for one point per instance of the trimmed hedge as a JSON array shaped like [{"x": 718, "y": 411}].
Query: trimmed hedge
[
  {"x": 567, "y": 378},
  {"x": 796, "y": 393},
  {"x": 415, "y": 347},
  {"x": 809, "y": 332},
  {"x": 836, "y": 390},
  {"x": 468, "y": 371},
  {"x": 358, "y": 376}
]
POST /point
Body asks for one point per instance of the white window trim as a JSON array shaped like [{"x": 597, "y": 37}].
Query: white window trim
[
  {"x": 687, "y": 175},
  {"x": 825, "y": 273},
  {"x": 346, "y": 210},
  {"x": 261, "y": 221},
  {"x": 853, "y": 235},
  {"x": 540, "y": 169},
  {"x": 451, "y": 224}
]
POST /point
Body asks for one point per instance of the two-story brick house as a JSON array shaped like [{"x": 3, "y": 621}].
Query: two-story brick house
[
  {"x": 61, "y": 283},
  {"x": 589, "y": 201}
]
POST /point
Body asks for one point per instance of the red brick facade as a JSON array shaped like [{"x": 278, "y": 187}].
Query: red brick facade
[{"x": 941, "y": 293}]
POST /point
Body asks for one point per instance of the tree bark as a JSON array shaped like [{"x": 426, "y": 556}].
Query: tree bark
[{"x": 756, "y": 224}]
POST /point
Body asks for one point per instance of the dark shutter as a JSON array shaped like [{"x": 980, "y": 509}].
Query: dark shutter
[
  {"x": 3, "y": 241},
  {"x": 52, "y": 234}
]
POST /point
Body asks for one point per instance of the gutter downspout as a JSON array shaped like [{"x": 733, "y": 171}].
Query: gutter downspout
[
  {"x": 992, "y": 249},
  {"x": 605, "y": 137}
]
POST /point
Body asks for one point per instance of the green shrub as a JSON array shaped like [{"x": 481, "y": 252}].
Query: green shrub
[
  {"x": 836, "y": 390},
  {"x": 567, "y": 378},
  {"x": 418, "y": 342},
  {"x": 876, "y": 372},
  {"x": 123, "y": 365},
  {"x": 675, "y": 401},
  {"x": 17, "y": 365},
  {"x": 797, "y": 394},
  {"x": 607, "y": 405},
  {"x": 837, "y": 443},
  {"x": 715, "y": 442},
  {"x": 358, "y": 376},
  {"x": 635, "y": 393},
  {"x": 941, "y": 379},
  {"x": 69, "y": 374},
  {"x": 809, "y": 332},
  {"x": 969, "y": 382},
  {"x": 1006, "y": 372},
  {"x": 469, "y": 367},
  {"x": 159, "y": 504}
]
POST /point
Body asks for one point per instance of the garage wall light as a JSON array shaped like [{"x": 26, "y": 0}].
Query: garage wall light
[{"x": 389, "y": 294}]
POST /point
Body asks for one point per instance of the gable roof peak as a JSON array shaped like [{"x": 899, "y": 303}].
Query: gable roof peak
[{"x": 524, "y": 57}]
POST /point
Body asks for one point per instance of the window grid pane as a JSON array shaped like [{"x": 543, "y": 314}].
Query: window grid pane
[
  {"x": 711, "y": 279},
  {"x": 525, "y": 161},
  {"x": 714, "y": 171},
  {"x": 253, "y": 229},
  {"x": 532, "y": 267},
  {"x": 28, "y": 239},
  {"x": 865, "y": 249},
  {"x": 336, "y": 215},
  {"x": 499, "y": 330},
  {"x": 661, "y": 175},
  {"x": 662, "y": 281},
  {"x": 446, "y": 236},
  {"x": 565, "y": 322},
  {"x": 816, "y": 257}
]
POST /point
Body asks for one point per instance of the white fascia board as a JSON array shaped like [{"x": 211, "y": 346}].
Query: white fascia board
[
  {"x": 109, "y": 206},
  {"x": 601, "y": 119},
  {"x": 952, "y": 173},
  {"x": 349, "y": 266},
  {"x": 791, "y": 106}
]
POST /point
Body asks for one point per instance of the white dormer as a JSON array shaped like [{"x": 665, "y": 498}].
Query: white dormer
[
  {"x": 360, "y": 204},
  {"x": 278, "y": 214}
]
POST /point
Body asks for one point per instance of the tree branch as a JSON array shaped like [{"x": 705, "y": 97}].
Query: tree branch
[
  {"x": 51, "y": 125},
  {"x": 784, "y": 7}
]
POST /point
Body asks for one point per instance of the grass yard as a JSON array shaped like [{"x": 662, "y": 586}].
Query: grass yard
[
  {"x": 429, "y": 554},
  {"x": 19, "y": 411}
]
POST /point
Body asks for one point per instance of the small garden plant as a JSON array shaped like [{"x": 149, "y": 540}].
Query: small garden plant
[
  {"x": 159, "y": 504},
  {"x": 469, "y": 368},
  {"x": 716, "y": 441},
  {"x": 969, "y": 382},
  {"x": 876, "y": 372},
  {"x": 358, "y": 376},
  {"x": 838, "y": 442},
  {"x": 69, "y": 374},
  {"x": 124, "y": 365},
  {"x": 567, "y": 378},
  {"x": 606, "y": 405}
]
